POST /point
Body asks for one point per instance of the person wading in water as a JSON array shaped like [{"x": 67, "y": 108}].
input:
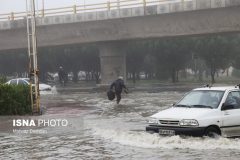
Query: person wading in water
[{"x": 118, "y": 86}]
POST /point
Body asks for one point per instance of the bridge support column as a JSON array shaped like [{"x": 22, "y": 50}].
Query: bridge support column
[{"x": 113, "y": 61}]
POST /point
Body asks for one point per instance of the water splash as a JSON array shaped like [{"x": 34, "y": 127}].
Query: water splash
[{"x": 146, "y": 140}]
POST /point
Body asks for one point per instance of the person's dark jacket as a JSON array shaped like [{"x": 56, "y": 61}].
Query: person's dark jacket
[{"x": 118, "y": 85}]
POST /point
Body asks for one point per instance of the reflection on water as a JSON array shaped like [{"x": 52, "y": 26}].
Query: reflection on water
[{"x": 100, "y": 129}]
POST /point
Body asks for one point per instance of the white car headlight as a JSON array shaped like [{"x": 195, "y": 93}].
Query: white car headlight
[
  {"x": 153, "y": 121},
  {"x": 188, "y": 122}
]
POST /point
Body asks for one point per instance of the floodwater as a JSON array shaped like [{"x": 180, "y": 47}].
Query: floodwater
[{"x": 100, "y": 129}]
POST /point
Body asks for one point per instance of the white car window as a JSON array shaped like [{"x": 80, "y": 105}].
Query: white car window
[
  {"x": 13, "y": 82},
  {"x": 233, "y": 99},
  {"x": 22, "y": 82}
]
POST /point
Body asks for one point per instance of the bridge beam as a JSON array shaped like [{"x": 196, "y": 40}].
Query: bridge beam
[{"x": 113, "y": 61}]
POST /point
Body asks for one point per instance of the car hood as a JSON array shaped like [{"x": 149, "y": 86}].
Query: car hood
[
  {"x": 179, "y": 113},
  {"x": 44, "y": 86}
]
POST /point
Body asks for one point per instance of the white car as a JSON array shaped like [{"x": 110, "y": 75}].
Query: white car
[
  {"x": 207, "y": 111},
  {"x": 25, "y": 81}
]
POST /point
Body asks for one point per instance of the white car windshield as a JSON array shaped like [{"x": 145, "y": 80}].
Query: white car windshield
[{"x": 201, "y": 99}]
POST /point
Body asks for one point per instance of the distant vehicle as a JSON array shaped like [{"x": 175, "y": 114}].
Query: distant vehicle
[
  {"x": 82, "y": 75},
  {"x": 208, "y": 111},
  {"x": 25, "y": 81},
  {"x": 142, "y": 75}
]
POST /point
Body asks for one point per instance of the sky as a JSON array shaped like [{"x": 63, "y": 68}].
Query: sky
[{"x": 7, "y": 6}]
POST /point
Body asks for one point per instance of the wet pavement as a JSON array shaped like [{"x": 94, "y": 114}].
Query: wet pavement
[{"x": 100, "y": 129}]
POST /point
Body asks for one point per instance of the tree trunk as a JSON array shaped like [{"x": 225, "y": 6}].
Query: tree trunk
[
  {"x": 138, "y": 75},
  {"x": 134, "y": 77},
  {"x": 200, "y": 75},
  {"x": 75, "y": 76},
  {"x": 92, "y": 76},
  {"x": 212, "y": 78},
  {"x": 177, "y": 76},
  {"x": 213, "y": 75},
  {"x": 97, "y": 76},
  {"x": 206, "y": 73},
  {"x": 87, "y": 76},
  {"x": 173, "y": 75}
]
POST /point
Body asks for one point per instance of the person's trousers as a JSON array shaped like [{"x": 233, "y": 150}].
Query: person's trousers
[{"x": 118, "y": 97}]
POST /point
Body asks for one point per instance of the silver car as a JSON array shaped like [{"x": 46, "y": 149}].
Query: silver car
[{"x": 25, "y": 81}]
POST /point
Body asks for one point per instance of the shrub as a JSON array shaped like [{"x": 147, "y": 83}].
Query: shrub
[
  {"x": 3, "y": 79},
  {"x": 15, "y": 100}
]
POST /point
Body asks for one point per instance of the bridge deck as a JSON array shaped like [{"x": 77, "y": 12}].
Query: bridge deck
[{"x": 123, "y": 9}]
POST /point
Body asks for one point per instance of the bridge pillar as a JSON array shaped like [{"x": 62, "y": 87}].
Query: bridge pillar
[{"x": 113, "y": 61}]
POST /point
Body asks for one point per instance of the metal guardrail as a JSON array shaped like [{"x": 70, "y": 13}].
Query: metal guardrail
[
  {"x": 81, "y": 8},
  {"x": 165, "y": 6}
]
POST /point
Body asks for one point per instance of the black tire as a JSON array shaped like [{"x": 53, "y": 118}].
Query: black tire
[{"x": 212, "y": 132}]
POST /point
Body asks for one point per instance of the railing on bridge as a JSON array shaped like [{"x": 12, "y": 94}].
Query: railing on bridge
[{"x": 164, "y": 6}]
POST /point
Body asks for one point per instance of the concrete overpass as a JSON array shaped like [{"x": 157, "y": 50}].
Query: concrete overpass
[{"x": 111, "y": 28}]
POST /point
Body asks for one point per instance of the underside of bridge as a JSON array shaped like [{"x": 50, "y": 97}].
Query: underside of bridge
[{"x": 111, "y": 34}]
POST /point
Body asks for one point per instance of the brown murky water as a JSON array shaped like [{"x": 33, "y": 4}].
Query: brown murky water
[{"x": 100, "y": 129}]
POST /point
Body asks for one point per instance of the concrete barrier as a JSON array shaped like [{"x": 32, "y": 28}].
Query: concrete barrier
[
  {"x": 163, "y": 8},
  {"x": 189, "y": 5},
  {"x": 126, "y": 12},
  {"x": 203, "y": 4},
  {"x": 138, "y": 11},
  {"x": 217, "y": 3},
  {"x": 6, "y": 25},
  {"x": 113, "y": 13},
  {"x": 69, "y": 18},
  {"x": 101, "y": 15},
  {"x": 151, "y": 10},
  {"x": 232, "y": 3},
  {"x": 176, "y": 7},
  {"x": 90, "y": 16},
  {"x": 79, "y": 17}
]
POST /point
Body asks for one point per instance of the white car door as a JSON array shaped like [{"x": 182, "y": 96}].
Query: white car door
[{"x": 231, "y": 116}]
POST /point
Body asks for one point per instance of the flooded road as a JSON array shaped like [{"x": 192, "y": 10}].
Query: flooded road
[{"x": 100, "y": 129}]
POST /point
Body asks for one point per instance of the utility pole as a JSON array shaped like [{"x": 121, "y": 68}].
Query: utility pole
[
  {"x": 32, "y": 55},
  {"x": 42, "y": 8},
  {"x": 118, "y": 4}
]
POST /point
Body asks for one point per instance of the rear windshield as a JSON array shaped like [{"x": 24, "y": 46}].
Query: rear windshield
[{"x": 13, "y": 82}]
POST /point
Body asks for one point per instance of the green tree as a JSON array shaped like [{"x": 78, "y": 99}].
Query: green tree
[
  {"x": 136, "y": 52},
  {"x": 172, "y": 56},
  {"x": 216, "y": 52}
]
